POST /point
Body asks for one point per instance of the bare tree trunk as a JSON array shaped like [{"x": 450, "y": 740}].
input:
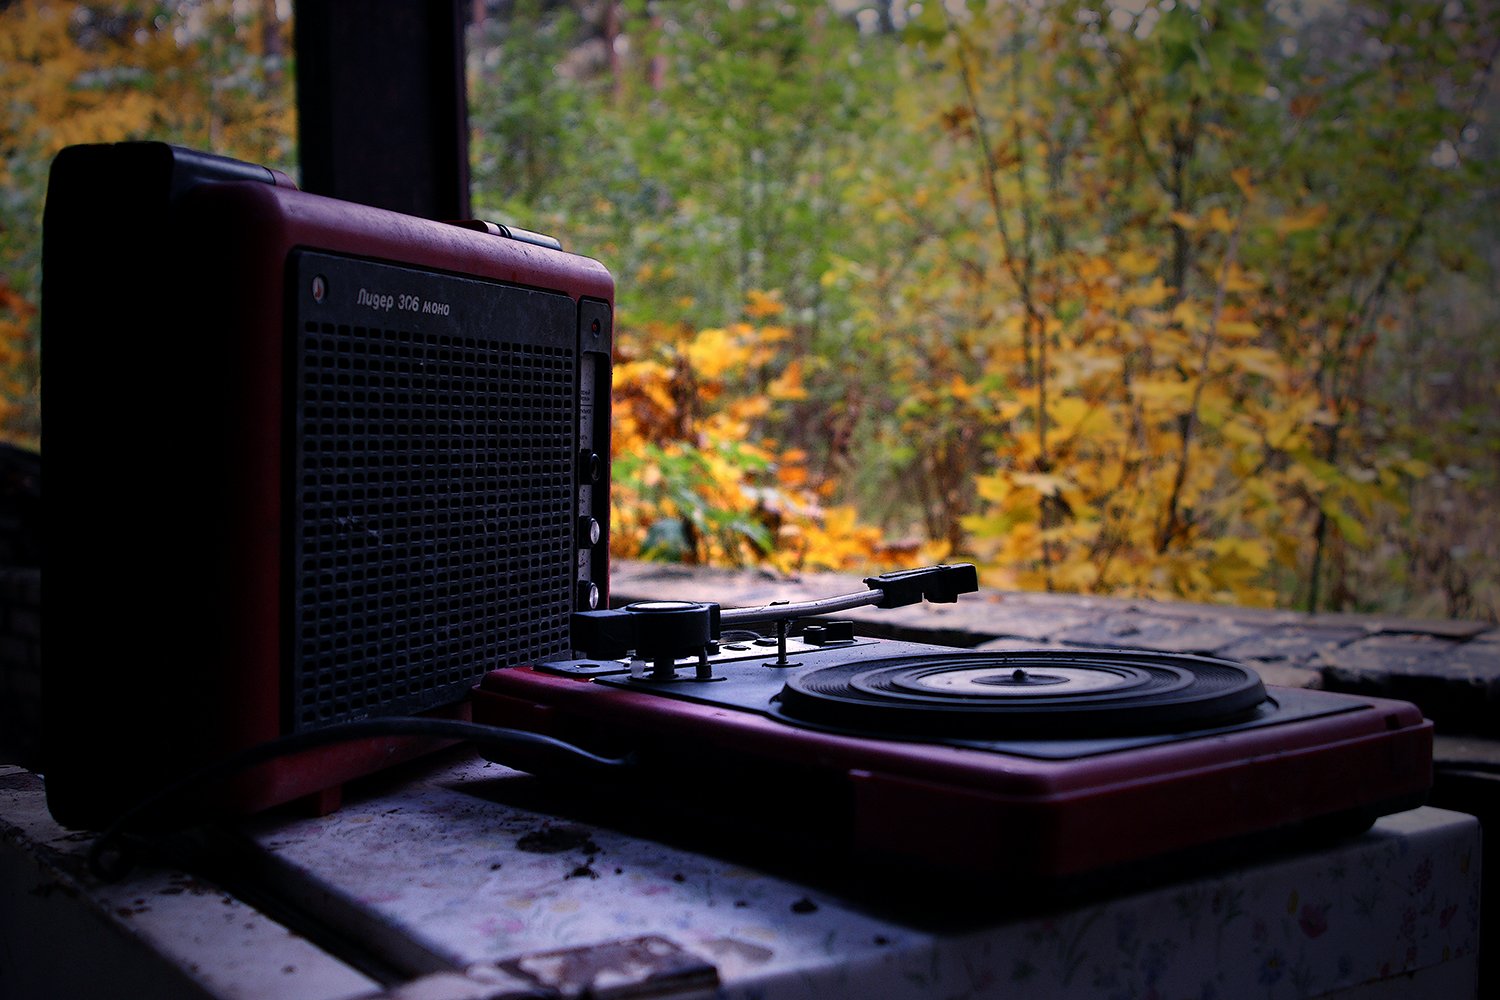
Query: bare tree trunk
[
  {"x": 272, "y": 48},
  {"x": 656, "y": 69},
  {"x": 612, "y": 30}
]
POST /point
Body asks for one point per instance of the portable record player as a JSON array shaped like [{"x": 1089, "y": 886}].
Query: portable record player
[{"x": 1041, "y": 764}]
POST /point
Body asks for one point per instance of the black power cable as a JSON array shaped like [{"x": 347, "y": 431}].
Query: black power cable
[{"x": 109, "y": 859}]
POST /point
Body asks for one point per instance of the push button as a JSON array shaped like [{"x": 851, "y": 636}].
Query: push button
[{"x": 828, "y": 633}]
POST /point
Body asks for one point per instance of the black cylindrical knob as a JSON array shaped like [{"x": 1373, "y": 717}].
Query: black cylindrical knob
[
  {"x": 590, "y": 466},
  {"x": 670, "y": 628},
  {"x": 589, "y": 531},
  {"x": 588, "y": 595}
]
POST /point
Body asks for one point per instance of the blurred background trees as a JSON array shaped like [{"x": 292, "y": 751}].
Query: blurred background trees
[
  {"x": 212, "y": 74},
  {"x": 1151, "y": 297}
]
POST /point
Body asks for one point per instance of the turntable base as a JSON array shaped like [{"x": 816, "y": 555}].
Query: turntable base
[{"x": 1020, "y": 767}]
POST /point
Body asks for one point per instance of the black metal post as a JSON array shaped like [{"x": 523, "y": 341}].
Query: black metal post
[{"x": 381, "y": 102}]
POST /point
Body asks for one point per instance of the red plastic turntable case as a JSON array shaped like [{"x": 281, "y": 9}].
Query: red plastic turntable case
[{"x": 1029, "y": 808}]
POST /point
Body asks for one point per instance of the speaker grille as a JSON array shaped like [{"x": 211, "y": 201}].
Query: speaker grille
[{"x": 434, "y": 516}]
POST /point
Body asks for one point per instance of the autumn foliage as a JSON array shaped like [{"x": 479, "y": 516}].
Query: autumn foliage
[
  {"x": 208, "y": 74},
  {"x": 1169, "y": 298},
  {"x": 1181, "y": 277},
  {"x": 696, "y": 478}
]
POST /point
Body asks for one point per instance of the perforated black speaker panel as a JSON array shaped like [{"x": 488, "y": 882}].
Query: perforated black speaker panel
[{"x": 431, "y": 493}]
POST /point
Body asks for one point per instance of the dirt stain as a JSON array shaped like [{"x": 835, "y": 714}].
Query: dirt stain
[{"x": 556, "y": 839}]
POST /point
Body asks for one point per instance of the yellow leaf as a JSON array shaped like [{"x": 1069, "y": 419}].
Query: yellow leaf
[
  {"x": 1241, "y": 433},
  {"x": 762, "y": 305},
  {"x": 1094, "y": 269},
  {"x": 791, "y": 475},
  {"x": 1010, "y": 409},
  {"x": 1253, "y": 552},
  {"x": 1166, "y": 390},
  {"x": 1219, "y": 220},
  {"x": 1137, "y": 264},
  {"x": 1414, "y": 467},
  {"x": 1182, "y": 220},
  {"x": 993, "y": 488},
  {"x": 1258, "y": 361},
  {"x": 714, "y": 351},
  {"x": 788, "y": 385},
  {"x": 961, "y": 390},
  {"x": 1069, "y": 413},
  {"x": 750, "y": 408},
  {"x": 1187, "y": 316},
  {"x": 1146, "y": 296},
  {"x": 1312, "y": 218},
  {"x": 1241, "y": 177},
  {"x": 1238, "y": 328},
  {"x": 1237, "y": 279}
]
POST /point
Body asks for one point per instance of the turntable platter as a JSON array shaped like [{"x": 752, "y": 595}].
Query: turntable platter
[{"x": 1032, "y": 693}]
